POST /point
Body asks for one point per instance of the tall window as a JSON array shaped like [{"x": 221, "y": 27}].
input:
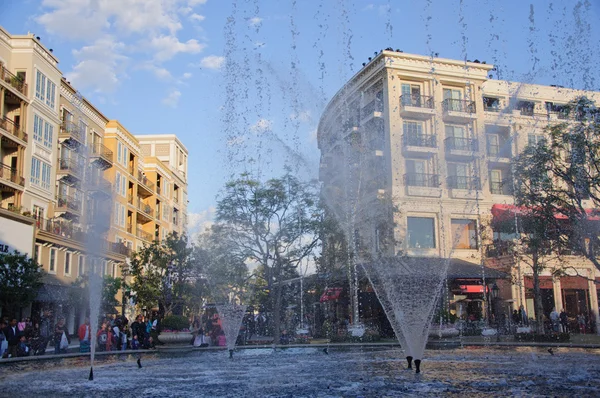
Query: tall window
[
  {"x": 45, "y": 175},
  {"x": 37, "y": 254},
  {"x": 413, "y": 129},
  {"x": 68, "y": 263},
  {"x": 421, "y": 232},
  {"x": 464, "y": 234},
  {"x": 48, "y": 134},
  {"x": 81, "y": 269},
  {"x": 38, "y": 128},
  {"x": 123, "y": 186},
  {"x": 119, "y": 154},
  {"x": 534, "y": 139},
  {"x": 118, "y": 182},
  {"x": 45, "y": 90},
  {"x": 36, "y": 165},
  {"x": 52, "y": 263}
]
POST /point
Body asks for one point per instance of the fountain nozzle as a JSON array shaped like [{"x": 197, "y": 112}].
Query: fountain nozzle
[
  {"x": 230, "y": 354},
  {"x": 418, "y": 366},
  {"x": 139, "y": 362},
  {"x": 409, "y": 360},
  {"x": 91, "y": 378}
]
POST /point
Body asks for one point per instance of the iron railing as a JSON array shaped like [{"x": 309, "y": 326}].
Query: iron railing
[
  {"x": 501, "y": 187},
  {"x": 99, "y": 150},
  {"x": 422, "y": 140},
  {"x": 143, "y": 234},
  {"x": 463, "y": 182},
  {"x": 422, "y": 180},
  {"x": 499, "y": 150},
  {"x": 13, "y": 128},
  {"x": 61, "y": 228},
  {"x": 374, "y": 106},
  {"x": 417, "y": 101},
  {"x": 70, "y": 129},
  {"x": 10, "y": 174},
  {"x": 68, "y": 202},
  {"x": 458, "y": 105},
  {"x": 144, "y": 208},
  {"x": 69, "y": 165},
  {"x": 462, "y": 143},
  {"x": 142, "y": 179},
  {"x": 15, "y": 81}
]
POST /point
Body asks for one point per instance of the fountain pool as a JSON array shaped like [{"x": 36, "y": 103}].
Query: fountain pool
[{"x": 308, "y": 372}]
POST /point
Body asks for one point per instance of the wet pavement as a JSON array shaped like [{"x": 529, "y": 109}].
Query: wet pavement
[{"x": 309, "y": 372}]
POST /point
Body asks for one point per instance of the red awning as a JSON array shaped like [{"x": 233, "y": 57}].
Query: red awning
[
  {"x": 331, "y": 294},
  {"x": 502, "y": 213},
  {"x": 545, "y": 282},
  {"x": 574, "y": 282},
  {"x": 471, "y": 289}
]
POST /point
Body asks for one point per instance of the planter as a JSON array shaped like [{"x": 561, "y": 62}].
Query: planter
[
  {"x": 175, "y": 338},
  {"x": 443, "y": 333}
]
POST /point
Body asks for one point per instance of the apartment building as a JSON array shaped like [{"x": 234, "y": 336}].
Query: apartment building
[
  {"x": 416, "y": 159},
  {"x": 74, "y": 181}
]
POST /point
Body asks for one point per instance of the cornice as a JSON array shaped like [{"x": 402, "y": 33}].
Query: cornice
[
  {"x": 78, "y": 104},
  {"x": 129, "y": 142}
]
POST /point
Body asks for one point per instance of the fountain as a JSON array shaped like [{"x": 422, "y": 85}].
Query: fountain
[{"x": 231, "y": 315}]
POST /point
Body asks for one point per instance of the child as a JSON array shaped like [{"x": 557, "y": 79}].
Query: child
[
  {"x": 102, "y": 338},
  {"x": 23, "y": 347}
]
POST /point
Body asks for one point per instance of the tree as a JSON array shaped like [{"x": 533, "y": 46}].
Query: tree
[
  {"x": 274, "y": 224},
  {"x": 553, "y": 179},
  {"x": 20, "y": 280},
  {"x": 163, "y": 273},
  {"x": 110, "y": 288}
]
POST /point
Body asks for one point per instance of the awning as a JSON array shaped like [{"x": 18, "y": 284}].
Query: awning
[
  {"x": 464, "y": 289},
  {"x": 502, "y": 213},
  {"x": 458, "y": 269},
  {"x": 545, "y": 282},
  {"x": 331, "y": 294},
  {"x": 574, "y": 282}
]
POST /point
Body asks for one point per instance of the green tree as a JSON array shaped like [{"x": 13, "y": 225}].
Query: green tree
[
  {"x": 274, "y": 224},
  {"x": 553, "y": 179},
  {"x": 164, "y": 273},
  {"x": 20, "y": 280},
  {"x": 110, "y": 288}
]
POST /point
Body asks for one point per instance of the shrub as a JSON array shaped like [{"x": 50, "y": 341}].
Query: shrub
[{"x": 175, "y": 323}]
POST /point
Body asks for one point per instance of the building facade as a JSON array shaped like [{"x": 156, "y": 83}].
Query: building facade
[
  {"x": 91, "y": 194},
  {"x": 416, "y": 159}
]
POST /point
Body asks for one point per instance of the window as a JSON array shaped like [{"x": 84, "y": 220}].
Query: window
[
  {"x": 37, "y": 254},
  {"x": 46, "y": 175},
  {"x": 81, "y": 268},
  {"x": 38, "y": 212},
  {"x": 119, "y": 215},
  {"x": 123, "y": 186},
  {"x": 535, "y": 139},
  {"x": 421, "y": 233},
  {"x": 113, "y": 270},
  {"x": 52, "y": 263},
  {"x": 116, "y": 214},
  {"x": 118, "y": 182},
  {"x": 491, "y": 104},
  {"x": 121, "y": 153},
  {"x": 68, "y": 263},
  {"x": 119, "y": 146},
  {"x": 413, "y": 129},
  {"x": 45, "y": 90},
  {"x": 38, "y": 128},
  {"x": 526, "y": 107},
  {"x": 411, "y": 95},
  {"x": 48, "y": 133},
  {"x": 36, "y": 165},
  {"x": 464, "y": 234}
]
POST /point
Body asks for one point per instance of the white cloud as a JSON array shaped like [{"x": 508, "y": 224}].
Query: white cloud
[
  {"x": 197, "y": 17},
  {"x": 212, "y": 62},
  {"x": 193, "y": 3},
  {"x": 172, "y": 99},
  {"x": 254, "y": 21},
  {"x": 199, "y": 222},
  {"x": 186, "y": 75},
  {"x": 99, "y": 66},
  {"x": 166, "y": 47},
  {"x": 262, "y": 126}
]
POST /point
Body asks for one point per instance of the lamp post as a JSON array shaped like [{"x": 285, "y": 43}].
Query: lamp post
[{"x": 494, "y": 291}]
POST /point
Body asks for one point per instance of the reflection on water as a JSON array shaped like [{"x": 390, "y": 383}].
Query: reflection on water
[{"x": 309, "y": 372}]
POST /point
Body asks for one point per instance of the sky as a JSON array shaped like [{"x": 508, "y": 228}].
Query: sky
[{"x": 243, "y": 83}]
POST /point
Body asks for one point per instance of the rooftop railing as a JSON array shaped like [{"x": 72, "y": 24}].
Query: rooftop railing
[{"x": 15, "y": 81}]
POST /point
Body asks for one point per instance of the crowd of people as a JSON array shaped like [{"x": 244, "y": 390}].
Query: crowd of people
[{"x": 33, "y": 337}]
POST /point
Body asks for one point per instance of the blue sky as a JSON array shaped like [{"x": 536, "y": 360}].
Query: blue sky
[{"x": 218, "y": 73}]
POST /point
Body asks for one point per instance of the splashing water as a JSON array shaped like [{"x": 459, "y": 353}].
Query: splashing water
[{"x": 231, "y": 317}]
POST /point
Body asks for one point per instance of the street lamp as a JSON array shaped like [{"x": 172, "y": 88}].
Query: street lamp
[{"x": 495, "y": 290}]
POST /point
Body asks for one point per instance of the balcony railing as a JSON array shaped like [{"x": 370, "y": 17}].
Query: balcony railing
[
  {"x": 499, "y": 248},
  {"x": 501, "y": 187},
  {"x": 422, "y": 180},
  {"x": 374, "y": 106},
  {"x": 60, "y": 228},
  {"x": 491, "y": 108},
  {"x": 9, "y": 174},
  {"x": 130, "y": 228},
  {"x": 463, "y": 182},
  {"x": 416, "y": 100},
  {"x": 100, "y": 184},
  {"x": 13, "y": 80},
  {"x": 119, "y": 248},
  {"x": 68, "y": 202},
  {"x": 501, "y": 151},
  {"x": 69, "y": 165},
  {"x": 462, "y": 144},
  {"x": 422, "y": 140},
  {"x": 144, "y": 208},
  {"x": 457, "y": 105},
  {"x": 99, "y": 150},
  {"x": 71, "y": 130},
  {"x": 12, "y": 128},
  {"x": 526, "y": 111},
  {"x": 143, "y": 234},
  {"x": 145, "y": 181}
]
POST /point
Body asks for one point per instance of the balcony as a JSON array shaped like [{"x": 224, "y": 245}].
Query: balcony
[
  {"x": 101, "y": 156},
  {"x": 13, "y": 81},
  {"x": 100, "y": 186},
  {"x": 9, "y": 174},
  {"x": 61, "y": 228},
  {"x": 373, "y": 109},
  {"x": 69, "y": 170},
  {"x": 419, "y": 184},
  {"x": 458, "y": 110},
  {"x": 499, "y": 248},
  {"x": 69, "y": 206},
  {"x": 13, "y": 129},
  {"x": 420, "y": 143},
  {"x": 130, "y": 229},
  {"x": 147, "y": 187},
  {"x": 464, "y": 183},
  {"x": 145, "y": 212},
  {"x": 417, "y": 106},
  {"x": 499, "y": 153},
  {"x": 143, "y": 234},
  {"x": 461, "y": 146},
  {"x": 501, "y": 187},
  {"x": 70, "y": 135},
  {"x": 118, "y": 248}
]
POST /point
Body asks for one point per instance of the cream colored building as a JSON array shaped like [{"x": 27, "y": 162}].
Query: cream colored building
[{"x": 433, "y": 139}]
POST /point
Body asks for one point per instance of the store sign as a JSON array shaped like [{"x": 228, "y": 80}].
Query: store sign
[{"x": 15, "y": 235}]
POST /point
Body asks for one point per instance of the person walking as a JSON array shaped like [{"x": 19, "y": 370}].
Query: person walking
[
  {"x": 84, "y": 334},
  {"x": 45, "y": 332},
  {"x": 564, "y": 321},
  {"x": 13, "y": 335},
  {"x": 555, "y": 319},
  {"x": 61, "y": 337}
]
